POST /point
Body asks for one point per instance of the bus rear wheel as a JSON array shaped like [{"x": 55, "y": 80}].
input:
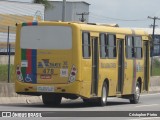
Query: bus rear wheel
[
  {"x": 87, "y": 101},
  {"x": 51, "y": 99},
  {"x": 102, "y": 101},
  {"x": 135, "y": 97}
]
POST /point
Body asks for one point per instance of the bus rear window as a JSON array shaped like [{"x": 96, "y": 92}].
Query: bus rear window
[{"x": 46, "y": 37}]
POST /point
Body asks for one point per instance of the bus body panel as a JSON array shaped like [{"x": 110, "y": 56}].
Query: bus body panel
[{"x": 66, "y": 71}]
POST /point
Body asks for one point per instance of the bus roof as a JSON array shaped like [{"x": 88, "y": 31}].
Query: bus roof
[
  {"x": 112, "y": 29},
  {"x": 109, "y": 28}
]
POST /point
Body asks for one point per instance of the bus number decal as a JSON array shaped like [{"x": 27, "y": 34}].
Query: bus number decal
[{"x": 48, "y": 71}]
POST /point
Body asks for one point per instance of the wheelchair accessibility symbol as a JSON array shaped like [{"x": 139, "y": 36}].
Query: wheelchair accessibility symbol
[{"x": 28, "y": 78}]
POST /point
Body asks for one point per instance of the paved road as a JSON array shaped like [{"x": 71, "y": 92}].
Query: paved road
[{"x": 148, "y": 102}]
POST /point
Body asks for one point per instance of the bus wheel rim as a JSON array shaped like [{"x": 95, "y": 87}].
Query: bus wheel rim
[
  {"x": 137, "y": 92},
  {"x": 104, "y": 96}
]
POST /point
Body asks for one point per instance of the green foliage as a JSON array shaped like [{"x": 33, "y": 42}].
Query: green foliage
[
  {"x": 156, "y": 71},
  {"x": 156, "y": 62},
  {"x": 156, "y": 67},
  {"x": 44, "y": 2},
  {"x": 4, "y": 73}
]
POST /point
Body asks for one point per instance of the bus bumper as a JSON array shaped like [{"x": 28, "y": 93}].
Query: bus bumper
[{"x": 39, "y": 89}]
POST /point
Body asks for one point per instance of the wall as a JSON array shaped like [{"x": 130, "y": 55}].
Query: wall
[
  {"x": 16, "y": 12},
  {"x": 4, "y": 59},
  {"x": 72, "y": 8},
  {"x": 20, "y": 8}
]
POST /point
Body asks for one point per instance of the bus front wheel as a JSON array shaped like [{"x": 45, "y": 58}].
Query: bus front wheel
[
  {"x": 51, "y": 99},
  {"x": 135, "y": 97}
]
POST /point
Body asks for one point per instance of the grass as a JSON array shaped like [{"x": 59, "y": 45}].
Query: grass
[
  {"x": 156, "y": 71},
  {"x": 156, "y": 67},
  {"x": 4, "y": 71}
]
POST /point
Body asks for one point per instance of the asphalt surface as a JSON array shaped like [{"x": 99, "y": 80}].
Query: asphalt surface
[
  {"x": 73, "y": 108},
  {"x": 147, "y": 102}
]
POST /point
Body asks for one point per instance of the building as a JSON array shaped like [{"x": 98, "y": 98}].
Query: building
[
  {"x": 72, "y": 9},
  {"x": 15, "y": 12}
]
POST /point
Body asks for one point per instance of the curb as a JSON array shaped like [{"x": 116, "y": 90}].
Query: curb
[
  {"x": 154, "y": 89},
  {"x": 20, "y": 100},
  {"x": 25, "y": 100}
]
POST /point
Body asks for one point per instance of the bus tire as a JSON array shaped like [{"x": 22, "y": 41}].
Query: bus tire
[
  {"x": 135, "y": 97},
  {"x": 102, "y": 101},
  {"x": 51, "y": 99},
  {"x": 87, "y": 101}
]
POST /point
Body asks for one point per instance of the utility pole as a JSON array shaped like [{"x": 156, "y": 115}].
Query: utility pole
[
  {"x": 82, "y": 14},
  {"x": 64, "y": 10},
  {"x": 154, "y": 22}
]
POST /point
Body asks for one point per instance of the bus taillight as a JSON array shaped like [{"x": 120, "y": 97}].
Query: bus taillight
[
  {"x": 72, "y": 76},
  {"x": 19, "y": 73}
]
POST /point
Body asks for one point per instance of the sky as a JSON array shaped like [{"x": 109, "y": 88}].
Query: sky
[{"x": 126, "y": 13}]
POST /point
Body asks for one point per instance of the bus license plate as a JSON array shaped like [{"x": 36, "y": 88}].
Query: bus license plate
[{"x": 45, "y": 89}]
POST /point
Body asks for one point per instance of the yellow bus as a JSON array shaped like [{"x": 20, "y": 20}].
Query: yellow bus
[{"x": 72, "y": 60}]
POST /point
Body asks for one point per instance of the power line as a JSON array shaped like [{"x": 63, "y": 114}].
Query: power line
[{"x": 118, "y": 19}]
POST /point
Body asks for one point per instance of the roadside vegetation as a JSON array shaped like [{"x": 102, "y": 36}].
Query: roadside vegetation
[
  {"x": 4, "y": 73},
  {"x": 46, "y": 3},
  {"x": 156, "y": 67}
]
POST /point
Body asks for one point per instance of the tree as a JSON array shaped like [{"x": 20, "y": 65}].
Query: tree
[{"x": 45, "y": 2}]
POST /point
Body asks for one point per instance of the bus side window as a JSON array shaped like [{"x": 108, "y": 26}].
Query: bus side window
[
  {"x": 138, "y": 47},
  {"x": 112, "y": 46},
  {"x": 130, "y": 53},
  {"x": 103, "y": 46},
  {"x": 86, "y": 45}
]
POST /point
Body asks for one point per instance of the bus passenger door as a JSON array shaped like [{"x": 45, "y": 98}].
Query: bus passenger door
[
  {"x": 146, "y": 65},
  {"x": 95, "y": 66},
  {"x": 120, "y": 66}
]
